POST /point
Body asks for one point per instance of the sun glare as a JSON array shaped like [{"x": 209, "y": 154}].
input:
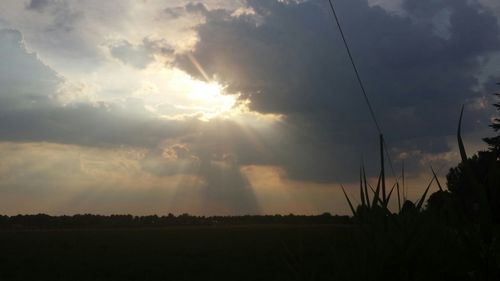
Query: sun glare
[
  {"x": 204, "y": 91},
  {"x": 175, "y": 95},
  {"x": 210, "y": 99}
]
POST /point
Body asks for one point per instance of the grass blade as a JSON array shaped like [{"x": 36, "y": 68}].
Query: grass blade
[
  {"x": 437, "y": 180},
  {"x": 461, "y": 147},
  {"x": 399, "y": 197},
  {"x": 366, "y": 187},
  {"x": 403, "y": 179},
  {"x": 348, "y": 201},
  {"x": 371, "y": 188},
  {"x": 422, "y": 200},
  {"x": 361, "y": 191},
  {"x": 389, "y": 195},
  {"x": 483, "y": 197},
  {"x": 376, "y": 196},
  {"x": 382, "y": 169}
]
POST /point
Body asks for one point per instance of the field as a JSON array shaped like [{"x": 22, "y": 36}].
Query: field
[{"x": 251, "y": 252}]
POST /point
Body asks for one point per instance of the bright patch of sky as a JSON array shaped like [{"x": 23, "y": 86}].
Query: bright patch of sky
[{"x": 123, "y": 58}]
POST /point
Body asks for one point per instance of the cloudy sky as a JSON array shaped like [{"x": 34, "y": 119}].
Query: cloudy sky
[{"x": 232, "y": 107}]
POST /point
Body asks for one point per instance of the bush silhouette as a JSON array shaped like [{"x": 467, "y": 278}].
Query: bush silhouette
[
  {"x": 474, "y": 180},
  {"x": 485, "y": 168}
]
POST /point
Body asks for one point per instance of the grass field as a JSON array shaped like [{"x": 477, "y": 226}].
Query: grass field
[{"x": 252, "y": 252}]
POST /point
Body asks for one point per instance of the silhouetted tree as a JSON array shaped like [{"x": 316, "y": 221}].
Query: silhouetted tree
[
  {"x": 494, "y": 142},
  {"x": 485, "y": 169},
  {"x": 465, "y": 180}
]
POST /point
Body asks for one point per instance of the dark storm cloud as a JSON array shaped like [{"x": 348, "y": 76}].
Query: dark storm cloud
[{"x": 289, "y": 59}]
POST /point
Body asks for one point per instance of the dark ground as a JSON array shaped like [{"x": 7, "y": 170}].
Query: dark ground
[{"x": 248, "y": 252}]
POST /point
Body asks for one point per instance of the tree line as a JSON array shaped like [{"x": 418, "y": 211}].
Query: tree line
[{"x": 44, "y": 221}]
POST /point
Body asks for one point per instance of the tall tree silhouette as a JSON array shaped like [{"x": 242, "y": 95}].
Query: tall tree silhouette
[
  {"x": 494, "y": 142},
  {"x": 484, "y": 168}
]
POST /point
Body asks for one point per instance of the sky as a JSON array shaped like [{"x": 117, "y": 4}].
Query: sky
[{"x": 222, "y": 107}]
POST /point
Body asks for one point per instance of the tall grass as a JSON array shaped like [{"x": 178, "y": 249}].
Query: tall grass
[{"x": 410, "y": 238}]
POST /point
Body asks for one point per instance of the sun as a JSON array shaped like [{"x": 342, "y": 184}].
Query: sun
[
  {"x": 204, "y": 91},
  {"x": 210, "y": 98},
  {"x": 173, "y": 94}
]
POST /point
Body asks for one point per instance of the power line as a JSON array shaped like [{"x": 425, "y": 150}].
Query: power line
[{"x": 360, "y": 82}]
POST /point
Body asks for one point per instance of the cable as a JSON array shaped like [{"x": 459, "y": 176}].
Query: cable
[
  {"x": 372, "y": 113},
  {"x": 360, "y": 82}
]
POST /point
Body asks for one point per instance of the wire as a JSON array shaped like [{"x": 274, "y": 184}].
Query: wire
[{"x": 360, "y": 82}]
